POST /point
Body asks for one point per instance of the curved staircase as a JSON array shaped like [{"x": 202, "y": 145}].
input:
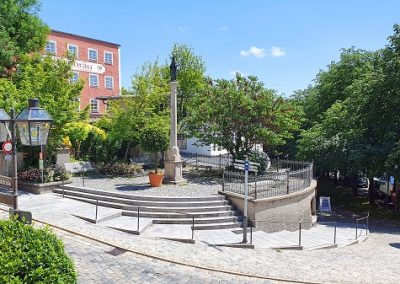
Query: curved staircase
[{"x": 207, "y": 212}]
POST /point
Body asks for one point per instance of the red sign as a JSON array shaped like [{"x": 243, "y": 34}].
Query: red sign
[{"x": 7, "y": 147}]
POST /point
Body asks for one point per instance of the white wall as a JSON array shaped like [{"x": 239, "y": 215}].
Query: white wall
[{"x": 203, "y": 150}]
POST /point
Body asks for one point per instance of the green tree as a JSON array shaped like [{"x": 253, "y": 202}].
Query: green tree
[
  {"x": 190, "y": 77},
  {"x": 21, "y": 32},
  {"x": 241, "y": 113}
]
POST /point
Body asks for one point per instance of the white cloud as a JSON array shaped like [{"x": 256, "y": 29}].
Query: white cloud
[
  {"x": 276, "y": 51},
  {"x": 223, "y": 29},
  {"x": 253, "y": 51}
]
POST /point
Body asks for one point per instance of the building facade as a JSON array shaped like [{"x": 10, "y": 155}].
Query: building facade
[{"x": 97, "y": 63}]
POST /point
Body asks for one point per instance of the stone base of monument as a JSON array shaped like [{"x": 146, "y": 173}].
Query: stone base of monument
[{"x": 173, "y": 173}]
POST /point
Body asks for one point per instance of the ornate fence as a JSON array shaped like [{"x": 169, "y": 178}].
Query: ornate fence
[
  {"x": 283, "y": 177},
  {"x": 199, "y": 160}
]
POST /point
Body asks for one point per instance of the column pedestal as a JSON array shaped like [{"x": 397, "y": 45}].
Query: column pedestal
[{"x": 173, "y": 167}]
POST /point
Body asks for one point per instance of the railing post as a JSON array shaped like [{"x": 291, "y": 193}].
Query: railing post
[
  {"x": 138, "y": 218},
  {"x": 63, "y": 191},
  {"x": 277, "y": 166},
  {"x": 97, "y": 208},
  {"x": 300, "y": 234},
  {"x": 334, "y": 236},
  {"x": 255, "y": 186},
  {"x": 192, "y": 227},
  {"x": 251, "y": 233},
  {"x": 83, "y": 178},
  {"x": 220, "y": 160},
  {"x": 356, "y": 229},
  {"x": 223, "y": 180},
  {"x": 287, "y": 181}
]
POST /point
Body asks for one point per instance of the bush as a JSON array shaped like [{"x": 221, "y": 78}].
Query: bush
[
  {"x": 50, "y": 174},
  {"x": 29, "y": 255},
  {"x": 119, "y": 169}
]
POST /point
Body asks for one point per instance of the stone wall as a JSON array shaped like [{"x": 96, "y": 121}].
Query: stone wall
[{"x": 280, "y": 212}]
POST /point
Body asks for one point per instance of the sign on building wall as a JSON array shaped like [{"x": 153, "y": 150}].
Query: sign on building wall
[{"x": 88, "y": 67}]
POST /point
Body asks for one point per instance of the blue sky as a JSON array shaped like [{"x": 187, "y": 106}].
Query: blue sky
[{"x": 284, "y": 43}]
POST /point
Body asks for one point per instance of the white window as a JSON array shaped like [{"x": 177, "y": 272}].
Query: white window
[
  {"x": 73, "y": 50},
  {"x": 108, "y": 57},
  {"x": 93, "y": 80},
  {"x": 51, "y": 47},
  {"x": 109, "y": 82},
  {"x": 92, "y": 54},
  {"x": 94, "y": 105},
  {"x": 74, "y": 78}
]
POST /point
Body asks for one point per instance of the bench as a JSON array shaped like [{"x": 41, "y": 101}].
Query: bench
[{"x": 79, "y": 167}]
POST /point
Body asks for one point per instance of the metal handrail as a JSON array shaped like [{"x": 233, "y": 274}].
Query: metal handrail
[
  {"x": 175, "y": 212},
  {"x": 367, "y": 224}
]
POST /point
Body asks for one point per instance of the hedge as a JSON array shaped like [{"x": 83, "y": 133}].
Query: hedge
[{"x": 30, "y": 255}]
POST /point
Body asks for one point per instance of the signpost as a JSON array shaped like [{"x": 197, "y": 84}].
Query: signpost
[{"x": 247, "y": 166}]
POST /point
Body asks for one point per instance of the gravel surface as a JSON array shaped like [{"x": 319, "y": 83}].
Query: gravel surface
[{"x": 200, "y": 183}]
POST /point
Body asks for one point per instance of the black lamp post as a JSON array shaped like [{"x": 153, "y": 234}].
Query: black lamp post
[{"x": 34, "y": 126}]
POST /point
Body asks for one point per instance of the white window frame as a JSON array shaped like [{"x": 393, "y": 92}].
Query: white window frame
[
  {"x": 55, "y": 47},
  {"x": 112, "y": 82},
  {"x": 112, "y": 57},
  {"x": 97, "y": 54},
  {"x": 71, "y": 79},
  {"x": 77, "y": 49},
  {"x": 90, "y": 82},
  {"x": 92, "y": 104}
]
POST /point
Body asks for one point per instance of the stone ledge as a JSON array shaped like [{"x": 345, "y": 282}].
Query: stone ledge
[{"x": 39, "y": 188}]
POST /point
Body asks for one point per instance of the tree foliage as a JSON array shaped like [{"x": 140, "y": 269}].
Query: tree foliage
[
  {"x": 353, "y": 123},
  {"x": 21, "y": 32},
  {"x": 240, "y": 113}
]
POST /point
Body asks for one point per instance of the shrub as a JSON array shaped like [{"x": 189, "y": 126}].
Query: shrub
[
  {"x": 50, "y": 174},
  {"x": 29, "y": 255},
  {"x": 119, "y": 169}
]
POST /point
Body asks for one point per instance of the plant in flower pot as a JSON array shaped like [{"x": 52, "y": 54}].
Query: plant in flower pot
[{"x": 154, "y": 139}]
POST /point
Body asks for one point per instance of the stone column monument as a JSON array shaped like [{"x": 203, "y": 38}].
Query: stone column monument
[{"x": 173, "y": 162}]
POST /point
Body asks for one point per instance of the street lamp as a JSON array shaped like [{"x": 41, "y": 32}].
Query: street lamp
[{"x": 34, "y": 126}]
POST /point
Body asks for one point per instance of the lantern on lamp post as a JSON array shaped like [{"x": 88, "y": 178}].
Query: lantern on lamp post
[{"x": 34, "y": 126}]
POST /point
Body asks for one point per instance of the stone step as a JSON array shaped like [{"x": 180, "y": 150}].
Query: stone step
[
  {"x": 144, "y": 203},
  {"x": 217, "y": 226},
  {"x": 141, "y": 197},
  {"x": 160, "y": 215},
  {"x": 189, "y": 221},
  {"x": 131, "y": 208}
]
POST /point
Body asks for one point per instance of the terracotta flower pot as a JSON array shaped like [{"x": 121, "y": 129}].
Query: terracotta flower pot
[{"x": 156, "y": 179}]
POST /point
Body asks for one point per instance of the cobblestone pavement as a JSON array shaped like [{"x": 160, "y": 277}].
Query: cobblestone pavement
[
  {"x": 198, "y": 185},
  {"x": 373, "y": 261}
]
